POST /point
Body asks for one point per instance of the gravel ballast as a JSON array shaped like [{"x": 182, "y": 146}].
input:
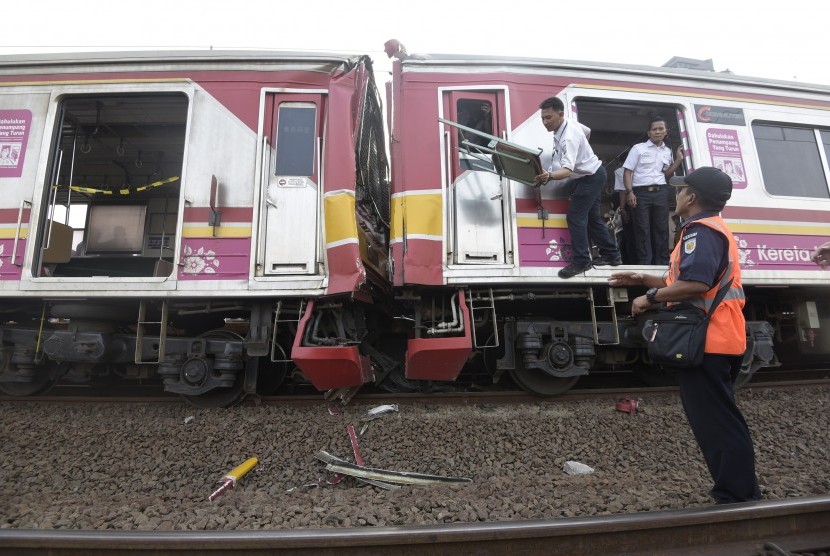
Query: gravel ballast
[{"x": 142, "y": 467}]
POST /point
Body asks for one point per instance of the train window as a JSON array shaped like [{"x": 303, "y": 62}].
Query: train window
[
  {"x": 296, "y": 133},
  {"x": 790, "y": 160},
  {"x": 115, "y": 156},
  {"x": 76, "y": 219},
  {"x": 478, "y": 115}
]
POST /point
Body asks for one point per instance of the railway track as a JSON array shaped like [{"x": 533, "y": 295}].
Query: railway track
[
  {"x": 773, "y": 527},
  {"x": 126, "y": 395}
]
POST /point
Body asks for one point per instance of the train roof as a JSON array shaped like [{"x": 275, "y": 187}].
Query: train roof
[
  {"x": 514, "y": 63},
  {"x": 144, "y": 57}
]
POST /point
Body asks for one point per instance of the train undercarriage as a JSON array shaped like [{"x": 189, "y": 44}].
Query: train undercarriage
[{"x": 215, "y": 353}]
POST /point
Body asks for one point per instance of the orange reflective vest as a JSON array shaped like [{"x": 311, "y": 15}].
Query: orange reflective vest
[{"x": 726, "y": 334}]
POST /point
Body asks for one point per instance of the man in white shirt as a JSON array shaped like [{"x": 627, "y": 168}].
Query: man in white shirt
[
  {"x": 647, "y": 168},
  {"x": 575, "y": 161}
]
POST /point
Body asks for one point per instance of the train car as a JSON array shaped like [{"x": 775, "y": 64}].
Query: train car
[
  {"x": 475, "y": 255},
  {"x": 202, "y": 217}
]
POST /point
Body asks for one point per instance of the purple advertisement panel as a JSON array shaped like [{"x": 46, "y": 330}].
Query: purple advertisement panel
[
  {"x": 8, "y": 270},
  {"x": 14, "y": 133},
  {"x": 554, "y": 249},
  {"x": 777, "y": 252},
  {"x": 215, "y": 259},
  {"x": 725, "y": 150}
]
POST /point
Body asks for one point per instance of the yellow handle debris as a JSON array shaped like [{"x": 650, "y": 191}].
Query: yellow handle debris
[{"x": 241, "y": 470}]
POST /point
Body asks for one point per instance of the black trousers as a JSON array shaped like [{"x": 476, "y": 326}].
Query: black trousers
[
  {"x": 651, "y": 225},
  {"x": 720, "y": 428}
]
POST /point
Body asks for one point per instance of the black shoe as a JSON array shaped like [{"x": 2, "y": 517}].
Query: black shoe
[
  {"x": 573, "y": 269},
  {"x": 605, "y": 260}
]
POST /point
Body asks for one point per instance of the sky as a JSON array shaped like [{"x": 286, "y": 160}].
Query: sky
[{"x": 788, "y": 40}]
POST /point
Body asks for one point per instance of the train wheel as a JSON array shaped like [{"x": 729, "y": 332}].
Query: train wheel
[
  {"x": 540, "y": 383},
  {"x": 226, "y": 396},
  {"x": 43, "y": 380}
]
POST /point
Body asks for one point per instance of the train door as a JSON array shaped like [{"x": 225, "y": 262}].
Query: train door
[
  {"x": 109, "y": 207},
  {"x": 617, "y": 122},
  {"x": 476, "y": 197},
  {"x": 292, "y": 182}
]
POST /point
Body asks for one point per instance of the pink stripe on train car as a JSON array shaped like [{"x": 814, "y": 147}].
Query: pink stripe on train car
[{"x": 777, "y": 251}]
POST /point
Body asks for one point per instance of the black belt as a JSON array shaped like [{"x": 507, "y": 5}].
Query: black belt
[{"x": 650, "y": 187}]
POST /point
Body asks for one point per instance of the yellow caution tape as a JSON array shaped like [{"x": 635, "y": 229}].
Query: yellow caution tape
[{"x": 94, "y": 190}]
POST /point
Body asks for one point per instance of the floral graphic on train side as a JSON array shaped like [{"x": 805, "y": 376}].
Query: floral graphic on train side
[
  {"x": 558, "y": 250},
  {"x": 201, "y": 261},
  {"x": 744, "y": 252}
]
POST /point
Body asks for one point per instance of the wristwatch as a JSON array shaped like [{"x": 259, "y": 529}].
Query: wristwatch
[{"x": 651, "y": 296}]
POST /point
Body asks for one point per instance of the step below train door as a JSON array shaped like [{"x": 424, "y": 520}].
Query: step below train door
[
  {"x": 476, "y": 197},
  {"x": 292, "y": 184}
]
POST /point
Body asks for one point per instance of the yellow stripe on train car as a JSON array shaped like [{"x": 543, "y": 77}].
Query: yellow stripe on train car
[
  {"x": 9, "y": 233},
  {"x": 421, "y": 213},
  {"x": 220, "y": 231},
  {"x": 534, "y": 222},
  {"x": 341, "y": 222}
]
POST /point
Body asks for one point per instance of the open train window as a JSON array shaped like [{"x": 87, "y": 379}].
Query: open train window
[{"x": 116, "y": 164}]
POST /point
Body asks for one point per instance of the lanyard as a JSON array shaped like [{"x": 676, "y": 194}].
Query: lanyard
[{"x": 556, "y": 143}]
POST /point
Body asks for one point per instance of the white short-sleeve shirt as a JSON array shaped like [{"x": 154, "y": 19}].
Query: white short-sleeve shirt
[
  {"x": 648, "y": 161},
  {"x": 572, "y": 151}
]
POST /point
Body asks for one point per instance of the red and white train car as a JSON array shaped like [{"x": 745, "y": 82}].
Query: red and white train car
[
  {"x": 475, "y": 256},
  {"x": 182, "y": 212}
]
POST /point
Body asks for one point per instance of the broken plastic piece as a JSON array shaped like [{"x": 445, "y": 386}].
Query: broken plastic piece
[
  {"x": 576, "y": 468},
  {"x": 627, "y": 405},
  {"x": 230, "y": 480},
  {"x": 380, "y": 411},
  {"x": 189, "y": 419}
]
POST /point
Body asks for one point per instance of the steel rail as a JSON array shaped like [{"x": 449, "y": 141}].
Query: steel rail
[
  {"x": 797, "y": 524},
  {"x": 504, "y": 397}
]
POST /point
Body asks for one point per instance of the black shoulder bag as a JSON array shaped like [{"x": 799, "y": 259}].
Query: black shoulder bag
[{"x": 676, "y": 334}]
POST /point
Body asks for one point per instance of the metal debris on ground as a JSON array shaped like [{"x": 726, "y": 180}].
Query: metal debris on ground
[
  {"x": 380, "y": 411},
  {"x": 189, "y": 419},
  {"x": 231, "y": 478},
  {"x": 338, "y": 465},
  {"x": 334, "y": 410},
  {"x": 576, "y": 468},
  {"x": 345, "y": 395},
  {"x": 627, "y": 405}
]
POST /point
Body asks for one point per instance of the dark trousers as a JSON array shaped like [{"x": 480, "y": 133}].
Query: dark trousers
[
  {"x": 585, "y": 220},
  {"x": 651, "y": 225},
  {"x": 720, "y": 428},
  {"x": 626, "y": 240}
]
